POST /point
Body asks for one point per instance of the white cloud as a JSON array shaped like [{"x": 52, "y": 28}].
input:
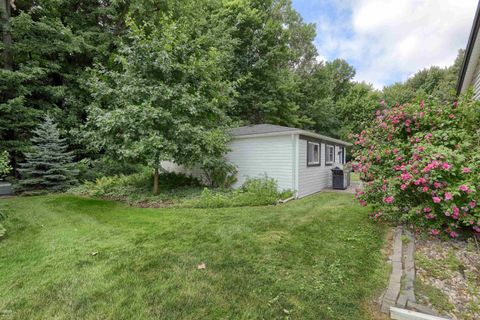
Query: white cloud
[{"x": 388, "y": 40}]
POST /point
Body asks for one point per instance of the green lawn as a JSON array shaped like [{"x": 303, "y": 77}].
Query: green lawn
[{"x": 315, "y": 258}]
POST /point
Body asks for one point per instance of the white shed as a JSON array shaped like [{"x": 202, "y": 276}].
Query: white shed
[{"x": 299, "y": 160}]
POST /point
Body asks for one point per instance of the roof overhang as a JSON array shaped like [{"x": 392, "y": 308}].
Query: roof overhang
[
  {"x": 472, "y": 55},
  {"x": 299, "y": 132}
]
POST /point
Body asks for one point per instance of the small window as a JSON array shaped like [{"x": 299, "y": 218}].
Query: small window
[
  {"x": 341, "y": 155},
  {"x": 313, "y": 153},
  {"x": 329, "y": 154}
]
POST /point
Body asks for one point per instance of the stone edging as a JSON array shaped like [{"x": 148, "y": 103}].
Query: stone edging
[{"x": 400, "y": 291}]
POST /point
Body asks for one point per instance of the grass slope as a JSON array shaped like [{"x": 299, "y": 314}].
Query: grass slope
[{"x": 316, "y": 258}]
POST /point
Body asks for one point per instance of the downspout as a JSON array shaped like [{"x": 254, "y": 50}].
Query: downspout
[{"x": 296, "y": 156}]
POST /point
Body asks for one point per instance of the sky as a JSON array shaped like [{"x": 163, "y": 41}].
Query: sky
[{"x": 389, "y": 40}]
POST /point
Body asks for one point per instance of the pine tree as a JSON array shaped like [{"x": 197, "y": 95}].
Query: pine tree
[{"x": 49, "y": 166}]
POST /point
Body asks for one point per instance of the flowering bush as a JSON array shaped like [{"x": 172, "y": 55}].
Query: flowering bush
[{"x": 421, "y": 165}]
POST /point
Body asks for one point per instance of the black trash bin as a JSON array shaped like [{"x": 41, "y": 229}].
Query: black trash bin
[{"x": 340, "y": 178}]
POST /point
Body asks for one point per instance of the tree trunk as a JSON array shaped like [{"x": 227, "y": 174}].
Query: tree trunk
[
  {"x": 5, "y": 10},
  {"x": 155, "y": 181}
]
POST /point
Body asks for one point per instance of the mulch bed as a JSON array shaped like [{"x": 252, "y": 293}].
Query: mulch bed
[{"x": 448, "y": 277}]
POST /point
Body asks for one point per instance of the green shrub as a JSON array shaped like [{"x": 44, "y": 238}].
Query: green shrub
[
  {"x": 254, "y": 192},
  {"x": 219, "y": 173},
  {"x": 421, "y": 166},
  {"x": 5, "y": 167},
  {"x": 134, "y": 186},
  {"x": 90, "y": 170}
]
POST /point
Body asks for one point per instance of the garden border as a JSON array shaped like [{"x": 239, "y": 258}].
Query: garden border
[{"x": 399, "y": 298}]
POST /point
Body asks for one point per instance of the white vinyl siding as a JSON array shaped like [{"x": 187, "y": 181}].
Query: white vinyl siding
[
  {"x": 312, "y": 179},
  {"x": 476, "y": 82},
  {"x": 259, "y": 156}
]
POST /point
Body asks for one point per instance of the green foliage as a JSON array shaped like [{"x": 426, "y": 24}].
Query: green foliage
[
  {"x": 164, "y": 97},
  {"x": 90, "y": 170},
  {"x": 5, "y": 166},
  {"x": 135, "y": 189},
  {"x": 49, "y": 166},
  {"x": 53, "y": 43},
  {"x": 357, "y": 108},
  {"x": 254, "y": 192},
  {"x": 219, "y": 172},
  {"x": 434, "y": 82},
  {"x": 421, "y": 165}
]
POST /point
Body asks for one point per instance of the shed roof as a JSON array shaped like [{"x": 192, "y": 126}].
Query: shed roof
[{"x": 259, "y": 130}]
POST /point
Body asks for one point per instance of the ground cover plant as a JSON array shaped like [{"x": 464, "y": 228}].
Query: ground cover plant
[
  {"x": 421, "y": 164},
  {"x": 178, "y": 189},
  {"x": 135, "y": 188},
  {"x": 71, "y": 257}
]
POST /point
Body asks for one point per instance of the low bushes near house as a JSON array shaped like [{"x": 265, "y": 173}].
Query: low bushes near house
[
  {"x": 421, "y": 166},
  {"x": 136, "y": 188},
  {"x": 254, "y": 192}
]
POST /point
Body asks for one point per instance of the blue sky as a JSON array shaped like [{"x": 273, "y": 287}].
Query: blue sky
[{"x": 389, "y": 40}]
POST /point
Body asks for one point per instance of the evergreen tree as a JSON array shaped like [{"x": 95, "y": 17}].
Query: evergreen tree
[{"x": 49, "y": 166}]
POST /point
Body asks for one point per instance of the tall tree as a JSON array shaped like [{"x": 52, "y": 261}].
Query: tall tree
[
  {"x": 272, "y": 42},
  {"x": 164, "y": 97},
  {"x": 48, "y": 166},
  {"x": 53, "y": 43},
  {"x": 432, "y": 82},
  {"x": 5, "y": 13}
]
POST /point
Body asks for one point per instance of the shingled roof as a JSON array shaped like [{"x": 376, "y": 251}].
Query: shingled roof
[{"x": 271, "y": 129}]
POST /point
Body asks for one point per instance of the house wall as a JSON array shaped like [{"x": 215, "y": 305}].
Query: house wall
[
  {"x": 312, "y": 179},
  {"x": 256, "y": 157},
  {"x": 476, "y": 82}
]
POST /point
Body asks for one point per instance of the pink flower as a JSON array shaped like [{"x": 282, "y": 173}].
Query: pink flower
[
  {"x": 382, "y": 102},
  {"x": 453, "y": 234},
  {"x": 403, "y": 186},
  {"x": 363, "y": 203},
  {"x": 406, "y": 176},
  {"x": 422, "y": 104},
  {"x": 427, "y": 209},
  {"x": 455, "y": 104},
  {"x": 446, "y": 166},
  {"x": 451, "y": 116},
  {"x": 425, "y": 189},
  {"x": 466, "y": 170},
  {"x": 434, "y": 232},
  {"x": 448, "y": 196},
  {"x": 464, "y": 188},
  {"x": 436, "y": 199},
  {"x": 472, "y": 204},
  {"x": 430, "y": 216},
  {"x": 388, "y": 199},
  {"x": 437, "y": 185}
]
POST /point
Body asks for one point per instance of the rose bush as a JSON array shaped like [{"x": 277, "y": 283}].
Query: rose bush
[{"x": 420, "y": 164}]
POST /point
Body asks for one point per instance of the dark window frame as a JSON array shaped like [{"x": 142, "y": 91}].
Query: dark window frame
[
  {"x": 327, "y": 149},
  {"x": 314, "y": 140},
  {"x": 314, "y": 163}
]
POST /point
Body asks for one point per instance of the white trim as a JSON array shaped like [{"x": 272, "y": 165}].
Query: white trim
[
  {"x": 296, "y": 156},
  {"x": 472, "y": 65},
  {"x": 302, "y": 132},
  {"x": 318, "y": 153},
  {"x": 404, "y": 314}
]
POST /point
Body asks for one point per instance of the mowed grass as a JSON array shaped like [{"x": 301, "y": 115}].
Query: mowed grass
[{"x": 315, "y": 258}]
